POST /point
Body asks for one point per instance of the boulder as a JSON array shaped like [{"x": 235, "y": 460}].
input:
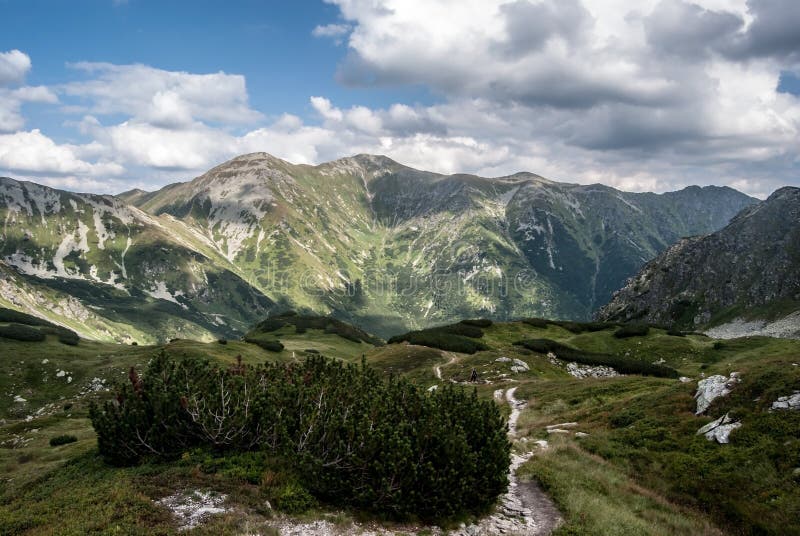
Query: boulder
[
  {"x": 713, "y": 387},
  {"x": 791, "y": 402},
  {"x": 719, "y": 430}
]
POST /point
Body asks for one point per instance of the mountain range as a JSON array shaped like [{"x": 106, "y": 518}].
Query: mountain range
[
  {"x": 363, "y": 238},
  {"x": 742, "y": 279}
]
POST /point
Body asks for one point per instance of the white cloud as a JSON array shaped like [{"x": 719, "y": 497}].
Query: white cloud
[
  {"x": 31, "y": 152},
  {"x": 14, "y": 65},
  {"x": 330, "y": 30},
  {"x": 653, "y": 95},
  {"x": 166, "y": 98}
]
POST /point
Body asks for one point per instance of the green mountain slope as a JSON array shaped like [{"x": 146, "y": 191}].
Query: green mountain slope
[
  {"x": 364, "y": 238},
  {"x": 112, "y": 272}
]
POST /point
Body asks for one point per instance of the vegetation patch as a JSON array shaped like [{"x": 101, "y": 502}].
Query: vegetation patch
[
  {"x": 302, "y": 323},
  {"x": 458, "y": 337},
  {"x": 62, "y": 440},
  {"x": 632, "y": 330},
  {"x": 270, "y": 345},
  {"x": 478, "y": 322},
  {"x": 622, "y": 364},
  {"x": 354, "y": 438},
  {"x": 22, "y": 332}
]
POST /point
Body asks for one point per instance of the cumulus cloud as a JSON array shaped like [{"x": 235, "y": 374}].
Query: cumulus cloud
[
  {"x": 14, "y": 65},
  {"x": 165, "y": 98},
  {"x": 651, "y": 94},
  {"x": 32, "y": 152}
]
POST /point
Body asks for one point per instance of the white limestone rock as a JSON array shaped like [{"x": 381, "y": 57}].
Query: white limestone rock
[
  {"x": 719, "y": 430},
  {"x": 713, "y": 387},
  {"x": 791, "y": 402}
]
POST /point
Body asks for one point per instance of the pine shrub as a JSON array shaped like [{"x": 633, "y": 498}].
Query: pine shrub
[
  {"x": 622, "y": 364},
  {"x": 21, "y": 332},
  {"x": 62, "y": 440},
  {"x": 632, "y": 330},
  {"x": 351, "y": 437}
]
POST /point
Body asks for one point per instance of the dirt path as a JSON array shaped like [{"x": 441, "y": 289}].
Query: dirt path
[
  {"x": 437, "y": 369},
  {"x": 525, "y": 508}
]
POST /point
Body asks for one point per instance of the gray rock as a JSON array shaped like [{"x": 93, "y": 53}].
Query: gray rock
[
  {"x": 719, "y": 430},
  {"x": 713, "y": 387},
  {"x": 791, "y": 402},
  {"x": 521, "y": 363}
]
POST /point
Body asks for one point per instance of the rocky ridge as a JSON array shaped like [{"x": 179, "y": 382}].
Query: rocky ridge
[{"x": 744, "y": 278}]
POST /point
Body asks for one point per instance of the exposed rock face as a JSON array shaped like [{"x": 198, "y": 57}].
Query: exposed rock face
[
  {"x": 788, "y": 402},
  {"x": 588, "y": 371},
  {"x": 713, "y": 387},
  {"x": 363, "y": 238},
  {"x": 751, "y": 267},
  {"x": 719, "y": 430}
]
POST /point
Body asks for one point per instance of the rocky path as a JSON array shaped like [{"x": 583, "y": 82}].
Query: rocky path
[
  {"x": 437, "y": 369},
  {"x": 525, "y": 508}
]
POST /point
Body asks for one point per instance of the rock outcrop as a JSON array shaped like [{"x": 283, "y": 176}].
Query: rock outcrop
[
  {"x": 720, "y": 429},
  {"x": 788, "y": 402},
  {"x": 748, "y": 271},
  {"x": 713, "y": 387}
]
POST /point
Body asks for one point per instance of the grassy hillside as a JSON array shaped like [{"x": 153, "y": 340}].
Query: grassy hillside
[{"x": 636, "y": 467}]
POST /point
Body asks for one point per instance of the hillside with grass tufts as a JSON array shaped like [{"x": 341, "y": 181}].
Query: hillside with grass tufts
[{"x": 613, "y": 430}]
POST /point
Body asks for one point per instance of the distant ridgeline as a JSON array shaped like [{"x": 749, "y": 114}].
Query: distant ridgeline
[{"x": 364, "y": 239}]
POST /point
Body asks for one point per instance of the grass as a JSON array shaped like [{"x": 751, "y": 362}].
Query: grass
[
  {"x": 641, "y": 470},
  {"x": 600, "y": 499}
]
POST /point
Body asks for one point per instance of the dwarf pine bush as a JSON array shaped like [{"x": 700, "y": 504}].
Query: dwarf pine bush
[{"x": 354, "y": 438}]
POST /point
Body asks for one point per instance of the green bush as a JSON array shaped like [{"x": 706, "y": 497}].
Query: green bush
[
  {"x": 478, "y": 322},
  {"x": 441, "y": 339},
  {"x": 21, "y": 332},
  {"x": 66, "y": 336},
  {"x": 622, "y": 364},
  {"x": 62, "y": 440},
  {"x": 17, "y": 317},
  {"x": 632, "y": 330},
  {"x": 540, "y": 323},
  {"x": 352, "y": 437},
  {"x": 293, "y": 498},
  {"x": 302, "y": 323},
  {"x": 454, "y": 337},
  {"x": 272, "y": 346}
]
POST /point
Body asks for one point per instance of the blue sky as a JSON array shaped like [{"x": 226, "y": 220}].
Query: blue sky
[
  {"x": 269, "y": 42},
  {"x": 104, "y": 95}
]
